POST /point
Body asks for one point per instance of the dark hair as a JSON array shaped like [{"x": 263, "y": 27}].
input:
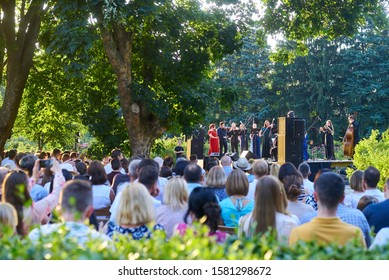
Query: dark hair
[
  {"x": 125, "y": 163},
  {"x": 15, "y": 192},
  {"x": 18, "y": 157},
  {"x": 180, "y": 167},
  {"x": 97, "y": 173},
  {"x": 56, "y": 152},
  {"x": 118, "y": 179},
  {"x": 165, "y": 172},
  {"x": 147, "y": 162},
  {"x": 321, "y": 171},
  {"x": 168, "y": 161},
  {"x": 148, "y": 175},
  {"x": 81, "y": 168},
  {"x": 193, "y": 157},
  {"x": 76, "y": 196},
  {"x": 292, "y": 186},
  {"x": 27, "y": 163},
  {"x": 115, "y": 153},
  {"x": 330, "y": 189},
  {"x": 12, "y": 154},
  {"x": 371, "y": 176},
  {"x": 203, "y": 203},
  {"x": 287, "y": 169},
  {"x": 192, "y": 173},
  {"x": 73, "y": 155},
  {"x": 304, "y": 169},
  {"x": 365, "y": 201},
  {"x": 115, "y": 164}
]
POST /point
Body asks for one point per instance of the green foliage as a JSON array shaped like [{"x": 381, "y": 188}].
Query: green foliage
[
  {"x": 165, "y": 145},
  {"x": 195, "y": 245},
  {"x": 373, "y": 151}
]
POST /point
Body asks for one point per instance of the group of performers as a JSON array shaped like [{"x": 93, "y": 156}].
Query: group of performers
[
  {"x": 263, "y": 141},
  {"x": 260, "y": 139}
]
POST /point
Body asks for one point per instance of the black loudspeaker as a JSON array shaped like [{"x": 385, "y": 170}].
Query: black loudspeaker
[
  {"x": 290, "y": 140},
  {"x": 197, "y": 148},
  {"x": 234, "y": 156}
]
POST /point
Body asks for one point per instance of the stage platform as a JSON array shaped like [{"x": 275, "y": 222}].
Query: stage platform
[{"x": 316, "y": 165}]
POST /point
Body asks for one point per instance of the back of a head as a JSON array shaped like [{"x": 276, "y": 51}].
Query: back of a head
[
  {"x": 166, "y": 172},
  {"x": 180, "y": 166},
  {"x": 168, "y": 161},
  {"x": 147, "y": 162},
  {"x": 330, "y": 189},
  {"x": 133, "y": 166},
  {"x": 148, "y": 176},
  {"x": 226, "y": 160},
  {"x": 237, "y": 183},
  {"x": 135, "y": 206},
  {"x": 27, "y": 163},
  {"x": 260, "y": 168},
  {"x": 292, "y": 185},
  {"x": 192, "y": 173},
  {"x": 203, "y": 202},
  {"x": 304, "y": 169},
  {"x": 287, "y": 169},
  {"x": 216, "y": 177},
  {"x": 56, "y": 152},
  {"x": 212, "y": 163},
  {"x": 176, "y": 193},
  {"x": 76, "y": 197},
  {"x": 116, "y": 164},
  {"x": 116, "y": 153},
  {"x": 12, "y": 154},
  {"x": 366, "y": 200},
  {"x": 274, "y": 169},
  {"x": 8, "y": 217},
  {"x": 371, "y": 176},
  {"x": 81, "y": 168},
  {"x": 97, "y": 173},
  {"x": 356, "y": 181},
  {"x": 193, "y": 158},
  {"x": 321, "y": 171},
  {"x": 65, "y": 157},
  {"x": 73, "y": 155},
  {"x": 268, "y": 201},
  {"x": 18, "y": 158}
]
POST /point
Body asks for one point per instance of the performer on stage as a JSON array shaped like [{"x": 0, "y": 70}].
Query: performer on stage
[
  {"x": 327, "y": 132},
  {"x": 243, "y": 137},
  {"x": 265, "y": 133},
  {"x": 213, "y": 140},
  {"x": 222, "y": 134},
  {"x": 233, "y": 133},
  {"x": 353, "y": 123},
  {"x": 256, "y": 141}
]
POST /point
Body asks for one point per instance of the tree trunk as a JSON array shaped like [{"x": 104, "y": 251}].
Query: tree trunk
[
  {"x": 143, "y": 126},
  {"x": 20, "y": 48}
]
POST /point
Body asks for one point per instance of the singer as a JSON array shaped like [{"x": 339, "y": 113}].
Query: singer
[
  {"x": 265, "y": 133},
  {"x": 327, "y": 132}
]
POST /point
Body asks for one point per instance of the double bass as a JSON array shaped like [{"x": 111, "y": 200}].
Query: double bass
[{"x": 348, "y": 141}]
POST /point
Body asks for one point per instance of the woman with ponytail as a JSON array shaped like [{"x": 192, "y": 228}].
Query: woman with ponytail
[{"x": 203, "y": 207}]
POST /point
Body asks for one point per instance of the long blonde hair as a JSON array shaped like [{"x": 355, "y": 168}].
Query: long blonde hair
[
  {"x": 216, "y": 177},
  {"x": 176, "y": 194},
  {"x": 8, "y": 216},
  {"x": 135, "y": 206},
  {"x": 268, "y": 200}
]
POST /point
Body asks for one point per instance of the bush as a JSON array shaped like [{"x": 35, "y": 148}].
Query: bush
[
  {"x": 373, "y": 151},
  {"x": 193, "y": 246}
]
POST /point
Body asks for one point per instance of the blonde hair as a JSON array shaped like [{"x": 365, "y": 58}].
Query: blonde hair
[
  {"x": 269, "y": 199},
  {"x": 176, "y": 193},
  {"x": 8, "y": 215},
  {"x": 237, "y": 183},
  {"x": 260, "y": 168},
  {"x": 274, "y": 169},
  {"x": 135, "y": 206},
  {"x": 216, "y": 177},
  {"x": 356, "y": 181}
]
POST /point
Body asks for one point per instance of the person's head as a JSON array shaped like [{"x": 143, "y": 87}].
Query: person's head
[
  {"x": 166, "y": 172},
  {"x": 221, "y": 124},
  {"x": 176, "y": 194},
  {"x": 274, "y": 169},
  {"x": 304, "y": 169},
  {"x": 56, "y": 153},
  {"x": 266, "y": 123},
  {"x": 97, "y": 173},
  {"x": 124, "y": 162},
  {"x": 237, "y": 183},
  {"x": 254, "y": 125},
  {"x": 321, "y": 171},
  {"x": 203, "y": 203},
  {"x": 180, "y": 167},
  {"x": 168, "y": 161},
  {"x": 117, "y": 153},
  {"x": 292, "y": 186},
  {"x": 12, "y": 154},
  {"x": 211, "y": 164},
  {"x": 329, "y": 123},
  {"x": 27, "y": 164},
  {"x": 290, "y": 114},
  {"x": 132, "y": 168},
  {"x": 193, "y": 159},
  {"x": 81, "y": 168},
  {"x": 260, "y": 168},
  {"x": 76, "y": 200},
  {"x": 116, "y": 164},
  {"x": 159, "y": 160},
  {"x": 268, "y": 200},
  {"x": 212, "y": 126},
  {"x": 351, "y": 118},
  {"x": 147, "y": 162},
  {"x": 148, "y": 176},
  {"x": 329, "y": 190},
  {"x": 371, "y": 177},
  {"x": 216, "y": 177},
  {"x": 65, "y": 157},
  {"x": 135, "y": 206},
  {"x": 73, "y": 156},
  {"x": 365, "y": 201},
  {"x": 356, "y": 181},
  {"x": 15, "y": 191},
  {"x": 287, "y": 169},
  {"x": 233, "y": 125},
  {"x": 193, "y": 173},
  {"x": 18, "y": 157},
  {"x": 8, "y": 217},
  {"x": 226, "y": 161},
  {"x": 242, "y": 126}
]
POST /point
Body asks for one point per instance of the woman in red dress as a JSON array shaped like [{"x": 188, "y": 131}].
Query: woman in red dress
[{"x": 213, "y": 140}]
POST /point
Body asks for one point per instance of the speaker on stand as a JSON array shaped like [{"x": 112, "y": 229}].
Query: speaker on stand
[{"x": 291, "y": 133}]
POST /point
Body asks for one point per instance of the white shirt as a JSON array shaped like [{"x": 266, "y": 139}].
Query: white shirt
[
  {"x": 381, "y": 239},
  {"x": 252, "y": 186},
  {"x": 308, "y": 186},
  {"x": 101, "y": 196},
  {"x": 9, "y": 163},
  {"x": 108, "y": 169},
  {"x": 376, "y": 193}
]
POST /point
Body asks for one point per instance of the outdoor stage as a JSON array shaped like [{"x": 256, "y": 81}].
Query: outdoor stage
[{"x": 316, "y": 165}]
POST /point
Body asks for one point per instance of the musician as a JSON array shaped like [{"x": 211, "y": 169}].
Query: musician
[
  {"x": 256, "y": 141},
  {"x": 353, "y": 123},
  {"x": 213, "y": 140},
  {"x": 233, "y": 133},
  {"x": 327, "y": 132},
  {"x": 222, "y": 134},
  {"x": 243, "y": 137},
  {"x": 265, "y": 133}
]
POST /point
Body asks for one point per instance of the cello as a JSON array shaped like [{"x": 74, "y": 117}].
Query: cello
[{"x": 348, "y": 141}]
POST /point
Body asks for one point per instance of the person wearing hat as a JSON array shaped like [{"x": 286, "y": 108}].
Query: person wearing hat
[
  {"x": 243, "y": 164},
  {"x": 213, "y": 140}
]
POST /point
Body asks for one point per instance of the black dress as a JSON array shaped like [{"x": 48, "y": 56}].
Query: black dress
[
  {"x": 243, "y": 140},
  {"x": 234, "y": 134},
  {"x": 328, "y": 141},
  {"x": 266, "y": 142}
]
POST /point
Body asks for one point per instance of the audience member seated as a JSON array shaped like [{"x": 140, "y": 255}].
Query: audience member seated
[
  {"x": 103, "y": 195},
  {"x": 269, "y": 212},
  {"x": 287, "y": 169},
  {"x": 116, "y": 167},
  {"x": 216, "y": 182},
  {"x": 134, "y": 213},
  {"x": 175, "y": 204},
  {"x": 193, "y": 177},
  {"x": 310, "y": 199},
  {"x": 226, "y": 162},
  {"x": 370, "y": 179},
  {"x": 365, "y": 201},
  {"x": 166, "y": 172},
  {"x": 305, "y": 171},
  {"x": 327, "y": 227},
  {"x": 9, "y": 162},
  {"x": 8, "y": 219},
  {"x": 274, "y": 169},
  {"x": 203, "y": 204},
  {"x": 381, "y": 239},
  {"x": 357, "y": 189},
  {"x": 377, "y": 214},
  {"x": 237, "y": 204},
  {"x": 259, "y": 168},
  {"x": 76, "y": 207},
  {"x": 115, "y": 153},
  {"x": 37, "y": 192}
]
